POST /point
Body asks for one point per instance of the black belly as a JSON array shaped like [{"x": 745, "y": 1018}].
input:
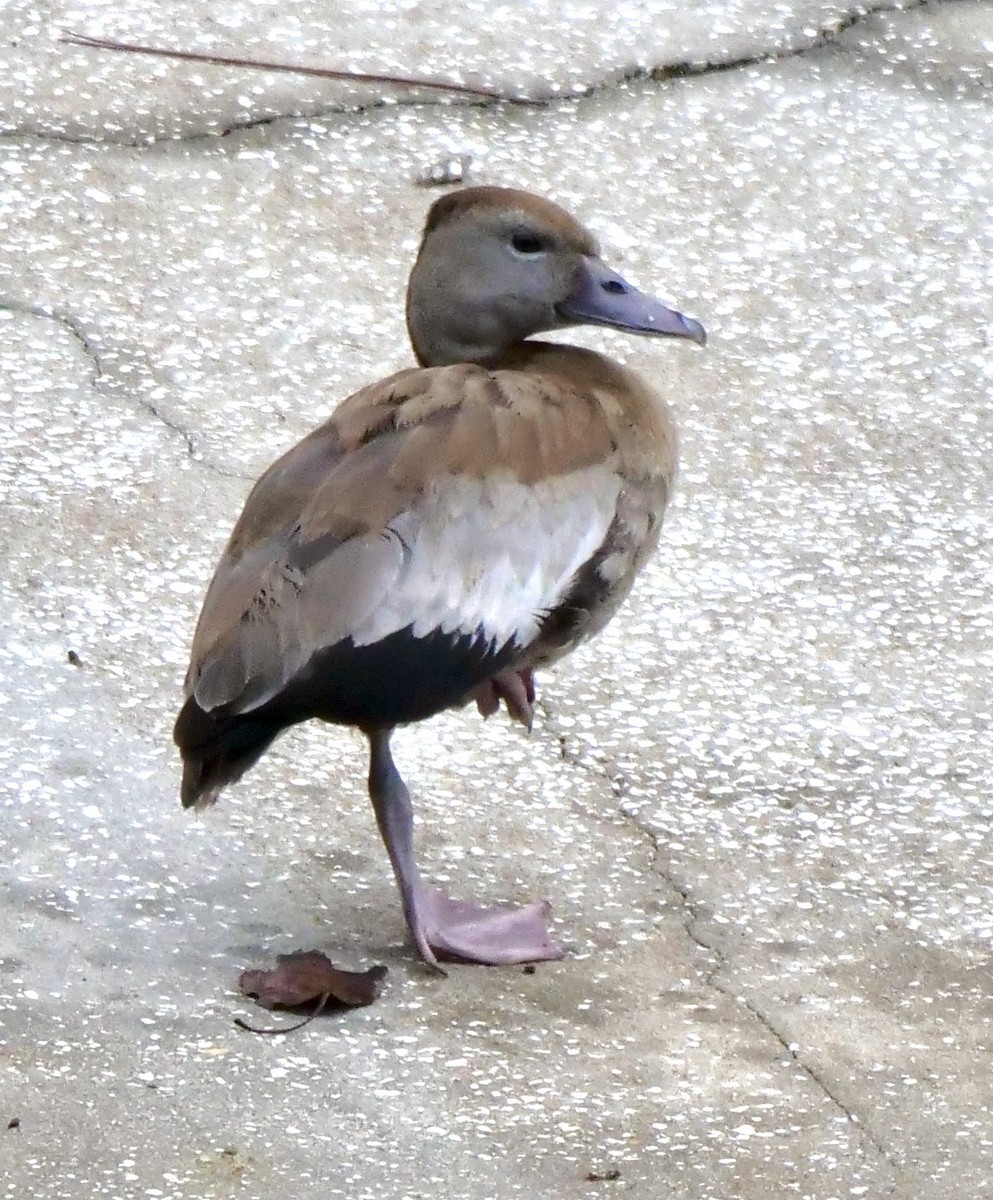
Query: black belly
[
  {"x": 392, "y": 682},
  {"x": 400, "y": 679}
]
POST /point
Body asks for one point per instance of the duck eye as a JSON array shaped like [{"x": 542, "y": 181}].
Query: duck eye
[{"x": 528, "y": 243}]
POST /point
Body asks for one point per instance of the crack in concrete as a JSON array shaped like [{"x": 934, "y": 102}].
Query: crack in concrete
[
  {"x": 810, "y": 1071},
  {"x": 77, "y": 330},
  {"x": 691, "y": 922},
  {"x": 174, "y": 426},
  {"x": 691, "y": 919},
  {"x": 615, "y": 782},
  {"x": 323, "y": 113},
  {"x": 817, "y": 40},
  {"x": 68, "y": 322}
]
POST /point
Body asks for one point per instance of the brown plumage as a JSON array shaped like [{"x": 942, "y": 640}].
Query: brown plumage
[{"x": 446, "y": 531}]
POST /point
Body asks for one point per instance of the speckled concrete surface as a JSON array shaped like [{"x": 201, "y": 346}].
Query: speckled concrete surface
[{"x": 760, "y": 803}]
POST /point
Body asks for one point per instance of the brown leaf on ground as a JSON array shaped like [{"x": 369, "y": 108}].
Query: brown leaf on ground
[{"x": 308, "y": 975}]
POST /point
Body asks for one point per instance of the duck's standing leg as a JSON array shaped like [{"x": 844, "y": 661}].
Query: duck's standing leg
[
  {"x": 395, "y": 818},
  {"x": 439, "y": 925}
]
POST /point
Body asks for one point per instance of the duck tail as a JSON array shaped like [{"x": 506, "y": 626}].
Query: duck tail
[{"x": 217, "y": 750}]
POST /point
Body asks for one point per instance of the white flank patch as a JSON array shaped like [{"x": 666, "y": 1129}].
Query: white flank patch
[{"x": 492, "y": 555}]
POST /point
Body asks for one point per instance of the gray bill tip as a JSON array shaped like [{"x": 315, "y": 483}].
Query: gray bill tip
[
  {"x": 602, "y": 297},
  {"x": 691, "y": 329}
]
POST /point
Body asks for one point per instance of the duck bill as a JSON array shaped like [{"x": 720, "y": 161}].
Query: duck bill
[{"x": 602, "y": 297}]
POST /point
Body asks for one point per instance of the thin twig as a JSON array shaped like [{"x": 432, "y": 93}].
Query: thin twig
[
  {"x": 223, "y": 60},
  {"x": 325, "y": 997}
]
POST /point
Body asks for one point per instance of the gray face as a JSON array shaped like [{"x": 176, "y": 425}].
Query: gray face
[{"x": 494, "y": 277}]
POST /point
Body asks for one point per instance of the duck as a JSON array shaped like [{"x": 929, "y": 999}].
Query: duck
[{"x": 445, "y": 533}]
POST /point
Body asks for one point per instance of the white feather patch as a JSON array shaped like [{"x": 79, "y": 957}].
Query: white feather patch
[{"x": 491, "y": 556}]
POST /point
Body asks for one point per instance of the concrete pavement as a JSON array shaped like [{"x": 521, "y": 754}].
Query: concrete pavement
[{"x": 760, "y": 803}]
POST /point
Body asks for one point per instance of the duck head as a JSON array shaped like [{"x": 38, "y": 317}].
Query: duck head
[{"x": 497, "y": 265}]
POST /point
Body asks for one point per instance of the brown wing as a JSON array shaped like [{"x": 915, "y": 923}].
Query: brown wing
[{"x": 448, "y": 498}]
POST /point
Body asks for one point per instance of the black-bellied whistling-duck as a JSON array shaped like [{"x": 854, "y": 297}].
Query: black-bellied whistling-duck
[{"x": 445, "y": 532}]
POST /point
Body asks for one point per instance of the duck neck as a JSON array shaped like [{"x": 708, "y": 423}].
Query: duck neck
[
  {"x": 441, "y": 338},
  {"x": 434, "y": 349}
]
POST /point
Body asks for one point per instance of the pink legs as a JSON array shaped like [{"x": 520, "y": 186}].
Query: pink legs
[{"x": 439, "y": 925}]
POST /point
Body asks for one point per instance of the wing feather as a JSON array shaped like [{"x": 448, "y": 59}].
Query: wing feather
[{"x": 449, "y": 499}]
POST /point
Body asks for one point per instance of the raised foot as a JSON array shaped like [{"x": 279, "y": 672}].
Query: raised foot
[
  {"x": 459, "y": 929},
  {"x": 515, "y": 689}
]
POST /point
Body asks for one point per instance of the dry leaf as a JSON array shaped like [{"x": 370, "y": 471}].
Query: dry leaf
[{"x": 308, "y": 975}]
